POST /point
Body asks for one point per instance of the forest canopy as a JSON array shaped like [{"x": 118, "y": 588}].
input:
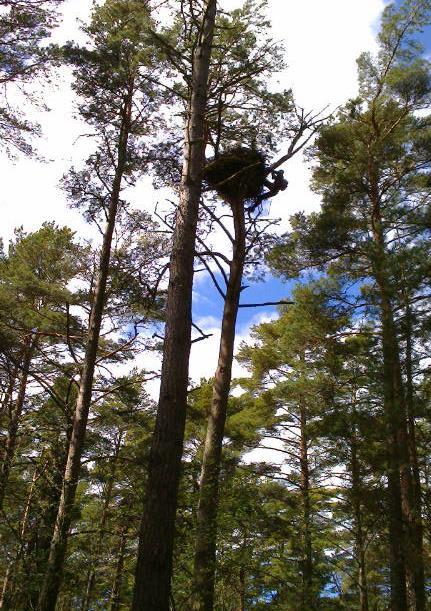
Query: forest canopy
[{"x": 204, "y": 407}]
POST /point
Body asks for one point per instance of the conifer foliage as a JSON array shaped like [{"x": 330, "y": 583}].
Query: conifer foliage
[{"x": 302, "y": 484}]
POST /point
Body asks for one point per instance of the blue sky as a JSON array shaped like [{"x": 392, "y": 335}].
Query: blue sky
[{"x": 209, "y": 303}]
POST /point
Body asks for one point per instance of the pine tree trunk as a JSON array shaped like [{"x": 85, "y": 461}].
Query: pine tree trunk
[
  {"x": 65, "y": 603},
  {"x": 241, "y": 589},
  {"x": 15, "y": 418},
  {"x": 308, "y": 602},
  {"x": 206, "y": 527},
  {"x": 393, "y": 406},
  {"x": 5, "y": 593},
  {"x": 154, "y": 563},
  {"x": 5, "y": 597},
  {"x": 53, "y": 576},
  {"x": 394, "y": 419},
  {"x": 58, "y": 453},
  {"x": 91, "y": 577},
  {"x": 400, "y": 468},
  {"x": 416, "y": 514},
  {"x": 407, "y": 490},
  {"x": 118, "y": 579},
  {"x": 359, "y": 534},
  {"x": 8, "y": 395}
]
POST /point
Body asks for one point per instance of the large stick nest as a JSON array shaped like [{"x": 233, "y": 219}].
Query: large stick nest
[{"x": 239, "y": 173}]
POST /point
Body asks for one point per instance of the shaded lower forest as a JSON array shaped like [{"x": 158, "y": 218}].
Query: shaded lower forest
[{"x": 305, "y": 482}]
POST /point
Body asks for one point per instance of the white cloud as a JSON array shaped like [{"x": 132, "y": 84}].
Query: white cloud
[
  {"x": 207, "y": 322},
  {"x": 258, "y": 319},
  {"x": 323, "y": 41},
  {"x": 204, "y": 354}
]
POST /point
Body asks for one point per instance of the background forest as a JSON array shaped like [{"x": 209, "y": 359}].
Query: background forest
[{"x": 296, "y": 474}]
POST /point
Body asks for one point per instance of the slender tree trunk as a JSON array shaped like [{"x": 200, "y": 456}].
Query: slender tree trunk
[
  {"x": 118, "y": 579},
  {"x": 241, "y": 589},
  {"x": 407, "y": 490},
  {"x": 65, "y": 603},
  {"x": 5, "y": 593},
  {"x": 8, "y": 394},
  {"x": 416, "y": 514},
  {"x": 396, "y": 415},
  {"x": 15, "y": 418},
  {"x": 206, "y": 528},
  {"x": 91, "y": 577},
  {"x": 57, "y": 457},
  {"x": 400, "y": 468},
  {"x": 398, "y": 462},
  {"x": 49, "y": 594},
  {"x": 308, "y": 602},
  {"x": 5, "y": 597},
  {"x": 359, "y": 533},
  {"x": 156, "y": 541}
]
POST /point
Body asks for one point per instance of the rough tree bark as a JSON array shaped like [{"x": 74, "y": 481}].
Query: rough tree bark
[
  {"x": 91, "y": 577},
  {"x": 40, "y": 539},
  {"x": 405, "y": 567},
  {"x": 206, "y": 527},
  {"x": 49, "y": 593},
  {"x": 355, "y": 471},
  {"x": 242, "y": 589},
  {"x": 8, "y": 394},
  {"x": 402, "y": 448},
  {"x": 154, "y": 563},
  {"x": 118, "y": 578},
  {"x": 397, "y": 535},
  {"x": 308, "y": 602},
  {"x": 5, "y": 597},
  {"x": 416, "y": 514},
  {"x": 394, "y": 406},
  {"x": 15, "y": 416}
]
